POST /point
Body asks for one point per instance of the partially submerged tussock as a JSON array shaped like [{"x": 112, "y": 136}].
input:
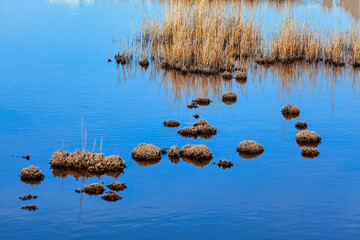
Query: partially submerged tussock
[
  {"x": 111, "y": 196},
  {"x": 265, "y": 60},
  {"x": 94, "y": 189},
  {"x": 227, "y": 75},
  {"x": 195, "y": 152},
  {"x": 229, "y": 97},
  {"x": 200, "y": 129},
  {"x": 202, "y": 101},
  {"x": 117, "y": 186},
  {"x": 250, "y": 149},
  {"x": 147, "y": 152},
  {"x": 123, "y": 59},
  {"x": 241, "y": 76},
  {"x": 308, "y": 138},
  {"x": 224, "y": 164},
  {"x": 174, "y": 152},
  {"x": 171, "y": 123},
  {"x": 300, "y": 125},
  {"x": 290, "y": 111},
  {"x": 28, "y": 197},
  {"x": 89, "y": 161},
  {"x": 30, "y": 207},
  {"x": 31, "y": 175},
  {"x": 144, "y": 62},
  {"x": 309, "y": 152}
]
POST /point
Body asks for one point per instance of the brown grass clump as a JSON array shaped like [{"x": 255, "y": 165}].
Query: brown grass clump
[
  {"x": 229, "y": 96},
  {"x": 301, "y": 125},
  {"x": 28, "y": 197},
  {"x": 224, "y": 164},
  {"x": 308, "y": 138},
  {"x": 201, "y": 37},
  {"x": 309, "y": 152},
  {"x": 174, "y": 152},
  {"x": 171, "y": 123},
  {"x": 196, "y": 116},
  {"x": 250, "y": 149},
  {"x": 123, "y": 59},
  {"x": 354, "y": 54},
  {"x": 241, "y": 76},
  {"x": 200, "y": 129},
  {"x": 30, "y": 207},
  {"x": 117, "y": 186},
  {"x": 27, "y": 156},
  {"x": 94, "y": 189},
  {"x": 144, "y": 62},
  {"x": 227, "y": 75},
  {"x": 111, "y": 196},
  {"x": 89, "y": 161},
  {"x": 290, "y": 111},
  {"x": 202, "y": 101},
  {"x": 31, "y": 175},
  {"x": 192, "y": 105},
  {"x": 265, "y": 60},
  {"x": 196, "y": 152},
  {"x": 146, "y": 152}
]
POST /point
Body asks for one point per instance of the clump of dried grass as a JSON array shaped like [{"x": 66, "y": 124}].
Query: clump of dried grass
[
  {"x": 30, "y": 207},
  {"x": 250, "y": 149},
  {"x": 227, "y": 75},
  {"x": 111, "y": 196},
  {"x": 117, "y": 186},
  {"x": 94, "y": 189},
  {"x": 202, "y": 101},
  {"x": 224, "y": 164},
  {"x": 171, "y": 123},
  {"x": 200, "y": 129},
  {"x": 31, "y": 175},
  {"x": 144, "y": 62},
  {"x": 196, "y": 152},
  {"x": 265, "y": 60},
  {"x": 308, "y": 138},
  {"x": 229, "y": 96},
  {"x": 89, "y": 161},
  {"x": 192, "y": 105},
  {"x": 300, "y": 125},
  {"x": 174, "y": 152},
  {"x": 146, "y": 152},
  {"x": 309, "y": 152},
  {"x": 241, "y": 76},
  {"x": 290, "y": 111},
  {"x": 28, "y": 197}
]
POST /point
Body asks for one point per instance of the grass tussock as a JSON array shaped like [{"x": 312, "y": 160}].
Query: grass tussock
[
  {"x": 224, "y": 164},
  {"x": 290, "y": 111},
  {"x": 300, "y": 125},
  {"x": 200, "y": 129},
  {"x": 30, "y": 207},
  {"x": 174, "y": 152},
  {"x": 202, "y": 101},
  {"x": 196, "y": 152},
  {"x": 94, "y": 189},
  {"x": 171, "y": 123},
  {"x": 31, "y": 175},
  {"x": 28, "y": 197},
  {"x": 146, "y": 152},
  {"x": 250, "y": 149},
  {"x": 88, "y": 161},
  {"x": 117, "y": 186},
  {"x": 309, "y": 152},
  {"x": 111, "y": 197},
  {"x": 308, "y": 138}
]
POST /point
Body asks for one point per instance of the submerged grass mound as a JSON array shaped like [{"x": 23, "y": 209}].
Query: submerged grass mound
[
  {"x": 290, "y": 111},
  {"x": 265, "y": 60},
  {"x": 196, "y": 116},
  {"x": 111, "y": 196},
  {"x": 123, "y": 59},
  {"x": 146, "y": 152},
  {"x": 241, "y": 76},
  {"x": 171, "y": 123},
  {"x": 192, "y": 105},
  {"x": 94, "y": 189},
  {"x": 229, "y": 97},
  {"x": 202, "y": 101},
  {"x": 308, "y": 138},
  {"x": 31, "y": 175},
  {"x": 174, "y": 152},
  {"x": 227, "y": 75},
  {"x": 301, "y": 125},
  {"x": 117, "y": 186},
  {"x": 200, "y": 129},
  {"x": 224, "y": 164},
  {"x": 250, "y": 149},
  {"x": 28, "y": 197},
  {"x": 144, "y": 62},
  {"x": 89, "y": 161},
  {"x": 30, "y": 207},
  {"x": 196, "y": 152},
  {"x": 309, "y": 152}
]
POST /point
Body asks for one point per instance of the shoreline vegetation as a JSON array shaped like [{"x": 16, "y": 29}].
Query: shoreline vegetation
[{"x": 210, "y": 37}]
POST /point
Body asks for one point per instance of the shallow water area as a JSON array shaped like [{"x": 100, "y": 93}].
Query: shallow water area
[{"x": 54, "y": 71}]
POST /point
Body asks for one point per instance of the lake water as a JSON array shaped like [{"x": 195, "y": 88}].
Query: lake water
[{"x": 54, "y": 69}]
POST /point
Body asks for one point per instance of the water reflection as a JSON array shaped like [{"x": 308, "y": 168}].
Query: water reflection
[
  {"x": 351, "y": 7},
  {"x": 80, "y": 173}
]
